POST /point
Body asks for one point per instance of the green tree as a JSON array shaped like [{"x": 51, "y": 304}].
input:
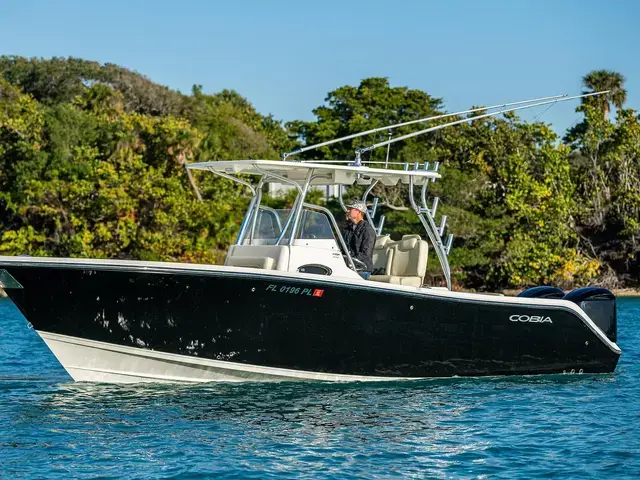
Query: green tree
[
  {"x": 60, "y": 80},
  {"x": 92, "y": 163},
  {"x": 606, "y": 168},
  {"x": 372, "y": 104},
  {"x": 602, "y": 80},
  {"x": 89, "y": 181}
]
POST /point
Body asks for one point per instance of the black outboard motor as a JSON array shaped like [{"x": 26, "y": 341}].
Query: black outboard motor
[
  {"x": 542, "y": 292},
  {"x": 600, "y": 305}
]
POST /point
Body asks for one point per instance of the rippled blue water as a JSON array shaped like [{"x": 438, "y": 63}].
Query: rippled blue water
[{"x": 578, "y": 426}]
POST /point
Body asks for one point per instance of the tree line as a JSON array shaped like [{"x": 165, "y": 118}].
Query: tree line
[{"x": 92, "y": 165}]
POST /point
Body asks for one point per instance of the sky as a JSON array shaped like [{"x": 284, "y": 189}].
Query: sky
[{"x": 285, "y": 56}]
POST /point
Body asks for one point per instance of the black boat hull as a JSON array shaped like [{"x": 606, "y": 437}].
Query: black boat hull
[{"x": 304, "y": 324}]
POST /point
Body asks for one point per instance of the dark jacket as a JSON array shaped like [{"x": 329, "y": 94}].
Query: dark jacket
[{"x": 360, "y": 240}]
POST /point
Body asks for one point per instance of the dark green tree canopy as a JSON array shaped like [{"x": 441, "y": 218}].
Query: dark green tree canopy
[
  {"x": 373, "y": 104},
  {"x": 92, "y": 164}
]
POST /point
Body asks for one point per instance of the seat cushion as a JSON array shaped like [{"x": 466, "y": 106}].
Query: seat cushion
[
  {"x": 382, "y": 241},
  {"x": 265, "y": 263},
  {"x": 397, "y": 280},
  {"x": 382, "y": 255},
  {"x": 409, "y": 258}
]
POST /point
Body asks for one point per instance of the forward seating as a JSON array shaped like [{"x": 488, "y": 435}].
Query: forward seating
[
  {"x": 265, "y": 257},
  {"x": 406, "y": 261},
  {"x": 381, "y": 251}
]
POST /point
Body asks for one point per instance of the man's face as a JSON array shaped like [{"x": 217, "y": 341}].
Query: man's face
[{"x": 354, "y": 215}]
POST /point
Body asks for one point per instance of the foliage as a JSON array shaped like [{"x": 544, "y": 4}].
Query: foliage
[
  {"x": 606, "y": 168},
  {"x": 92, "y": 165},
  {"x": 91, "y": 183},
  {"x": 605, "y": 80},
  {"x": 60, "y": 80},
  {"x": 373, "y": 104}
]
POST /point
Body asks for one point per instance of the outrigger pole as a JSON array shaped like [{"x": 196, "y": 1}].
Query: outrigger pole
[
  {"x": 360, "y": 151},
  {"x": 412, "y": 122}
]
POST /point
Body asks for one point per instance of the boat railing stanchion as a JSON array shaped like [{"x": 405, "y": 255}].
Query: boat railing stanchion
[
  {"x": 297, "y": 209},
  {"x": 341, "y": 198},
  {"x": 285, "y": 181},
  {"x": 370, "y": 214},
  {"x": 374, "y": 207},
  {"x": 380, "y": 225},
  {"x": 245, "y": 221},
  {"x": 256, "y": 214}
]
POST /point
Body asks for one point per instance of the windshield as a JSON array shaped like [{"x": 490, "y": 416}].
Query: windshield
[{"x": 270, "y": 222}]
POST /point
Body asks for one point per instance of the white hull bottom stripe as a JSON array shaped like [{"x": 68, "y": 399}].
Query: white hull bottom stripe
[{"x": 91, "y": 361}]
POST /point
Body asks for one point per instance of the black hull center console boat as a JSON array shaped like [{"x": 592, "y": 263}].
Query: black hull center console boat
[{"x": 289, "y": 302}]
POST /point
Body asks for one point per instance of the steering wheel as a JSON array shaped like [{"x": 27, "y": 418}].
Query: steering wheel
[{"x": 359, "y": 264}]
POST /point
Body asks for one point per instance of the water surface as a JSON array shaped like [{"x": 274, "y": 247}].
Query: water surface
[{"x": 562, "y": 426}]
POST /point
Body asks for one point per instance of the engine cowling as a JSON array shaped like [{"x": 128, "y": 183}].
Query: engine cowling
[
  {"x": 543, "y": 291},
  {"x": 600, "y": 305}
]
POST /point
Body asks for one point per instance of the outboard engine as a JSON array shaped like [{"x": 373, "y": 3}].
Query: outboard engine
[
  {"x": 543, "y": 291},
  {"x": 600, "y": 305}
]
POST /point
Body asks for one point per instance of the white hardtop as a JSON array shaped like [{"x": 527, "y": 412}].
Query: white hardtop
[{"x": 334, "y": 172}]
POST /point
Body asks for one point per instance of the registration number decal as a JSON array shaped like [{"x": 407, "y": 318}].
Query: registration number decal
[{"x": 310, "y": 292}]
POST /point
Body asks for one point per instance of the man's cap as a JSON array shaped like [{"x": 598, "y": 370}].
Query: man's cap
[{"x": 358, "y": 205}]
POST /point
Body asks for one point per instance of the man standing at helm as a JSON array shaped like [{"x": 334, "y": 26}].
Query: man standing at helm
[{"x": 359, "y": 236}]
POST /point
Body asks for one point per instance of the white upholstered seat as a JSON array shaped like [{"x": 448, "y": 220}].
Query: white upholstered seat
[{"x": 406, "y": 262}]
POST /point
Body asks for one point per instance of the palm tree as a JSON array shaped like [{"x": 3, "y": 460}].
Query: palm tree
[{"x": 600, "y": 80}]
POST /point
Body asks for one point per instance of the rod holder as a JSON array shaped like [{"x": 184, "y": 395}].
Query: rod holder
[
  {"x": 443, "y": 223},
  {"x": 447, "y": 246},
  {"x": 436, "y": 166},
  {"x": 434, "y": 207}
]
